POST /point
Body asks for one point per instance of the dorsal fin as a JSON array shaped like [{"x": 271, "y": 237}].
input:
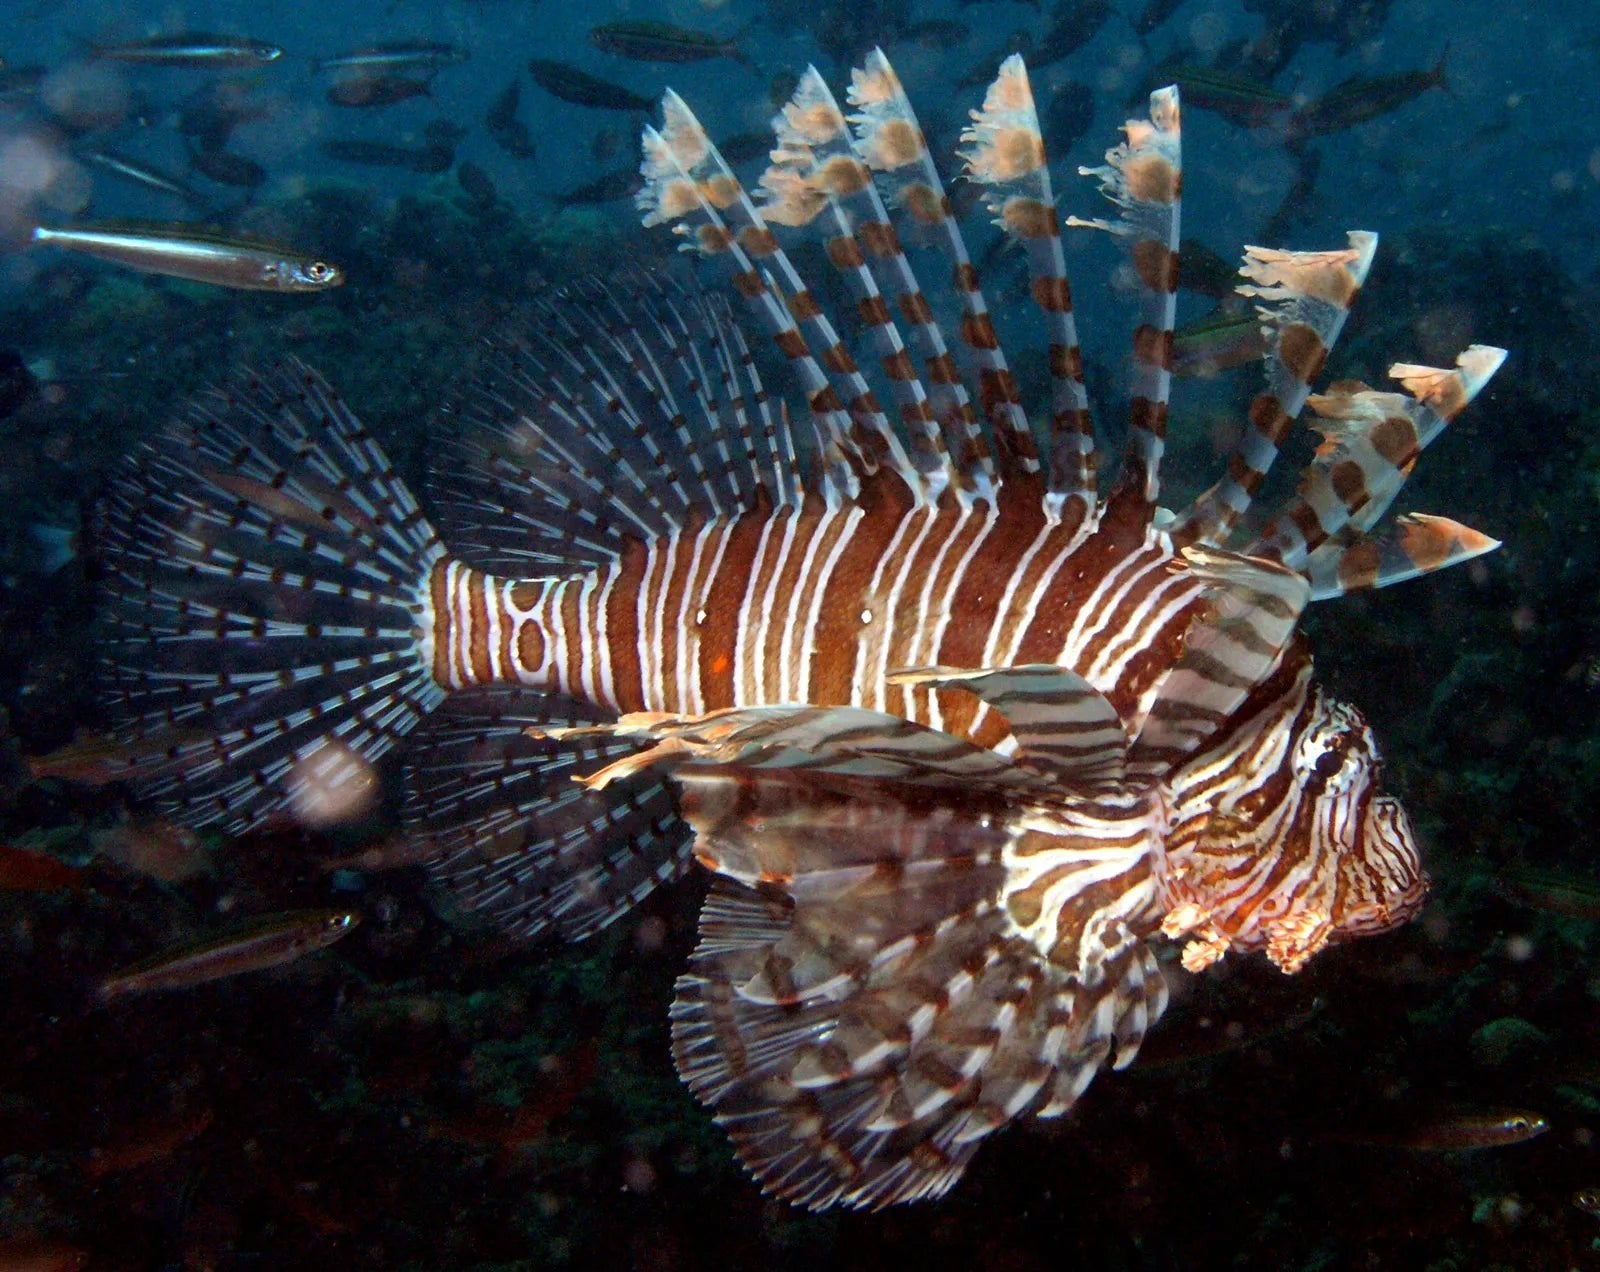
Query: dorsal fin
[
  {"x": 1305, "y": 297},
  {"x": 817, "y": 182},
  {"x": 890, "y": 141},
  {"x": 1144, "y": 177},
  {"x": 1007, "y": 156},
  {"x": 615, "y": 420},
  {"x": 689, "y": 186},
  {"x": 1415, "y": 544},
  {"x": 1372, "y": 440}
]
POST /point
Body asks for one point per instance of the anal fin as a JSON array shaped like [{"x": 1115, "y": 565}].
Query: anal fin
[{"x": 516, "y": 836}]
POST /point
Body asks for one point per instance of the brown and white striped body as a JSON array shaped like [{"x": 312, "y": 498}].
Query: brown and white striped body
[{"x": 817, "y": 605}]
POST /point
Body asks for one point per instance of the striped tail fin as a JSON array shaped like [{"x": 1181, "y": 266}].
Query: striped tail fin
[{"x": 269, "y": 626}]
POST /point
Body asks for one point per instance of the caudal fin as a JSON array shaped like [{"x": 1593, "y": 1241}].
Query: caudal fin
[{"x": 268, "y": 627}]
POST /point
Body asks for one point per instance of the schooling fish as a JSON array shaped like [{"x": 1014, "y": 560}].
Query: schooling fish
[
  {"x": 251, "y": 946},
  {"x": 1238, "y": 98},
  {"x": 377, "y": 90},
  {"x": 619, "y": 183},
  {"x": 505, "y": 129},
  {"x": 582, "y": 89},
  {"x": 649, "y": 41},
  {"x": 1226, "y": 338},
  {"x": 962, "y": 734},
  {"x": 141, "y": 174},
  {"x": 1360, "y": 98},
  {"x": 192, "y": 49},
  {"x": 202, "y": 258},
  {"x": 401, "y": 55},
  {"x": 1452, "y": 1131},
  {"x": 382, "y": 154},
  {"x": 226, "y": 168}
]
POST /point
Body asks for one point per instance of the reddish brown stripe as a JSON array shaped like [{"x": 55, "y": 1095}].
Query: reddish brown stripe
[
  {"x": 1066, "y": 362},
  {"x": 1268, "y": 418},
  {"x": 758, "y": 240},
  {"x": 845, "y": 252},
  {"x": 1358, "y": 566},
  {"x": 966, "y": 277},
  {"x": 714, "y": 239},
  {"x": 1156, "y": 266},
  {"x": 976, "y": 602},
  {"x": 1065, "y": 592},
  {"x": 1153, "y": 345},
  {"x": 837, "y": 358},
  {"x": 671, "y": 595},
  {"x": 762, "y": 584},
  {"x": 803, "y": 305},
  {"x": 825, "y": 401},
  {"x": 879, "y": 237},
  {"x": 1148, "y": 415},
  {"x": 1241, "y": 472},
  {"x": 1076, "y": 421},
  {"x": 1301, "y": 351},
  {"x": 440, "y": 600},
  {"x": 1305, "y": 521},
  {"x": 914, "y": 305},
  {"x": 874, "y": 312},
  {"x": 1052, "y": 295},
  {"x": 530, "y": 646},
  {"x": 1395, "y": 439},
  {"x": 622, "y": 627},
  {"x": 725, "y": 609},
  {"x": 569, "y": 627},
  {"x": 996, "y": 385},
  {"x": 898, "y": 366},
  {"x": 748, "y": 284},
  {"x": 790, "y": 342},
  {"x": 839, "y": 630},
  {"x": 786, "y": 584},
  {"x": 1349, "y": 483},
  {"x": 478, "y": 632}
]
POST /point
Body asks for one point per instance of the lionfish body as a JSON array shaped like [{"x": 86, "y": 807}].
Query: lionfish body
[{"x": 959, "y": 736}]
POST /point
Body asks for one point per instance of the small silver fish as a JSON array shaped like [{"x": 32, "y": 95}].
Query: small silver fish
[
  {"x": 403, "y": 55},
  {"x": 191, "y": 49},
  {"x": 202, "y": 258},
  {"x": 252, "y": 946},
  {"x": 142, "y": 174}
]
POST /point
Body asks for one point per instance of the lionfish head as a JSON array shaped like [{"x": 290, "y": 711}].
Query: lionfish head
[
  {"x": 1315, "y": 854},
  {"x": 1360, "y": 872}
]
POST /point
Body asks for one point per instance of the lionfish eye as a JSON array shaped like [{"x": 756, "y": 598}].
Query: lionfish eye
[{"x": 1329, "y": 763}]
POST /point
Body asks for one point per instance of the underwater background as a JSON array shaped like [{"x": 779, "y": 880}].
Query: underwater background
[{"x": 427, "y": 1093}]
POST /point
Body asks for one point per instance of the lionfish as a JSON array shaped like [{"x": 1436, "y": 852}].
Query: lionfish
[{"x": 958, "y": 737}]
